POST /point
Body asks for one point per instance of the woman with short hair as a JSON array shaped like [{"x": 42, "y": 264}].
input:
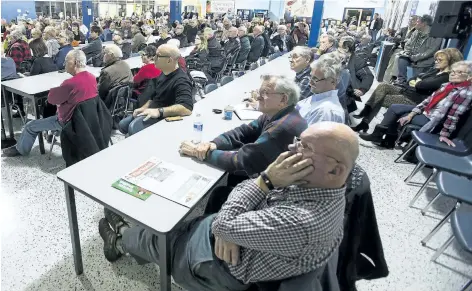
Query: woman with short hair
[
  {"x": 43, "y": 62},
  {"x": 52, "y": 44}
]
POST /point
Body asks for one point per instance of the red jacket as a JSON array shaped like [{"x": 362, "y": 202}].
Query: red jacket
[
  {"x": 19, "y": 51},
  {"x": 146, "y": 73}
]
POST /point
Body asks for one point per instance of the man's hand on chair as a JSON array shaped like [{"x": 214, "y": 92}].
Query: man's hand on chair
[{"x": 227, "y": 251}]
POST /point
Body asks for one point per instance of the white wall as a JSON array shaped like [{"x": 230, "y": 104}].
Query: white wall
[
  {"x": 335, "y": 8},
  {"x": 252, "y": 4}
]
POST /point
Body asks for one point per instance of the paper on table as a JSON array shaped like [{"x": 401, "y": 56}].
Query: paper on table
[
  {"x": 246, "y": 113},
  {"x": 170, "y": 181}
]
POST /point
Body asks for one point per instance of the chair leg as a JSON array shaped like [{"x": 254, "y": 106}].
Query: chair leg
[
  {"x": 400, "y": 136},
  {"x": 467, "y": 286},
  {"x": 431, "y": 177},
  {"x": 425, "y": 209},
  {"x": 111, "y": 141},
  {"x": 439, "y": 225},
  {"x": 418, "y": 167},
  {"x": 52, "y": 145},
  {"x": 411, "y": 146},
  {"x": 442, "y": 248}
]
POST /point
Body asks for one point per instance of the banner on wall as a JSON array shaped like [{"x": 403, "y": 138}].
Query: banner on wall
[
  {"x": 300, "y": 8},
  {"x": 221, "y": 6}
]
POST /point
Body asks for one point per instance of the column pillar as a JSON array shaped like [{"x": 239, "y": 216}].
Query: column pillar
[
  {"x": 175, "y": 7},
  {"x": 316, "y": 22},
  {"x": 87, "y": 6}
]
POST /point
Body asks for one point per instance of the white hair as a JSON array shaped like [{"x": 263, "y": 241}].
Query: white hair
[
  {"x": 330, "y": 37},
  {"x": 330, "y": 65},
  {"x": 79, "y": 57},
  {"x": 243, "y": 28},
  {"x": 304, "y": 52},
  {"x": 284, "y": 85},
  {"x": 282, "y": 27},
  {"x": 16, "y": 35},
  {"x": 174, "y": 41},
  {"x": 114, "y": 50},
  {"x": 467, "y": 64}
]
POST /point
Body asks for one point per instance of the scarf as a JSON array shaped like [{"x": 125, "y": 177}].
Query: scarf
[{"x": 442, "y": 93}]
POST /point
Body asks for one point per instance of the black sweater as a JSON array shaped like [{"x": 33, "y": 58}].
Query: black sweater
[
  {"x": 431, "y": 81},
  {"x": 42, "y": 65},
  {"x": 191, "y": 33}
]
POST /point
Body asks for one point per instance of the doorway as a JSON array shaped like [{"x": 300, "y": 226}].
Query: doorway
[{"x": 362, "y": 15}]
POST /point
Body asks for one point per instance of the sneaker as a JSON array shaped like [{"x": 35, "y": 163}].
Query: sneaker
[
  {"x": 11, "y": 152},
  {"x": 109, "y": 241},
  {"x": 114, "y": 220}
]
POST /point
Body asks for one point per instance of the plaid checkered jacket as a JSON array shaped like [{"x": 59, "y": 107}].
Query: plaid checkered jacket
[
  {"x": 285, "y": 233},
  {"x": 19, "y": 51},
  {"x": 451, "y": 107}
]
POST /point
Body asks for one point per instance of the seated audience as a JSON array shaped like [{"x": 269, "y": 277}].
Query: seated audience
[
  {"x": 191, "y": 31},
  {"x": 364, "y": 47},
  {"x": 418, "y": 89},
  {"x": 282, "y": 41},
  {"x": 442, "y": 110},
  {"x": 245, "y": 45},
  {"x": 268, "y": 49},
  {"x": 419, "y": 50},
  {"x": 257, "y": 45},
  {"x": 82, "y": 86},
  {"x": 300, "y": 60},
  {"x": 79, "y": 36},
  {"x": 8, "y": 67},
  {"x": 123, "y": 45},
  {"x": 126, "y": 29},
  {"x": 182, "y": 63},
  {"x": 18, "y": 49},
  {"x": 260, "y": 234},
  {"x": 164, "y": 36},
  {"x": 42, "y": 62},
  {"x": 250, "y": 148},
  {"x": 147, "y": 72},
  {"x": 300, "y": 34},
  {"x": 209, "y": 50},
  {"x": 94, "y": 47},
  {"x": 232, "y": 44},
  {"x": 107, "y": 34},
  {"x": 66, "y": 37},
  {"x": 324, "y": 104},
  {"x": 168, "y": 95},
  {"x": 138, "y": 39},
  {"x": 115, "y": 72},
  {"x": 327, "y": 45},
  {"x": 150, "y": 38},
  {"x": 361, "y": 76},
  {"x": 49, "y": 35},
  {"x": 35, "y": 34},
  {"x": 179, "y": 35}
]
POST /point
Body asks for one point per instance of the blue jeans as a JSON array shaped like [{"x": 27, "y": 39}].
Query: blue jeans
[
  {"x": 396, "y": 111},
  {"x": 373, "y": 34},
  {"x": 131, "y": 125},
  {"x": 31, "y": 130}
]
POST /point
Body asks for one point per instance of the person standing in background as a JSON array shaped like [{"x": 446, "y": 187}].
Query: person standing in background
[{"x": 375, "y": 26}]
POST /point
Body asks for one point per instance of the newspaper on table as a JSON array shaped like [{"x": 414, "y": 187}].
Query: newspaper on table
[
  {"x": 244, "y": 112},
  {"x": 169, "y": 181}
]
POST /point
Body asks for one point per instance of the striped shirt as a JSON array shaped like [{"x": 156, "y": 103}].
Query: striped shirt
[{"x": 285, "y": 233}]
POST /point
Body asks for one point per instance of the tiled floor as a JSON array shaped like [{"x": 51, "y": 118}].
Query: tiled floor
[{"x": 37, "y": 255}]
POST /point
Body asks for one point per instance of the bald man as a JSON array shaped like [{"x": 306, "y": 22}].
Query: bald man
[
  {"x": 257, "y": 45},
  {"x": 232, "y": 44},
  {"x": 170, "y": 94},
  {"x": 260, "y": 234}
]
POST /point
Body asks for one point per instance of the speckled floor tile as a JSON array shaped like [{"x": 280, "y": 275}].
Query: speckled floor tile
[{"x": 37, "y": 254}]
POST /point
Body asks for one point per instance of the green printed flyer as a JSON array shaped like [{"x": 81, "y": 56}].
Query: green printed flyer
[{"x": 132, "y": 189}]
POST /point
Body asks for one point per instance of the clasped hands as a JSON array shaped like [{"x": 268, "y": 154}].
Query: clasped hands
[
  {"x": 199, "y": 151},
  {"x": 147, "y": 112}
]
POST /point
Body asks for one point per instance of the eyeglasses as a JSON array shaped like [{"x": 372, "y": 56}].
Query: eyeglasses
[
  {"x": 161, "y": 57},
  {"x": 316, "y": 80},
  {"x": 264, "y": 94},
  {"x": 299, "y": 147},
  {"x": 454, "y": 72}
]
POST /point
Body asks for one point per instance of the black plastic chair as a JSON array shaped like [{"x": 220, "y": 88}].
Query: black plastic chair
[
  {"x": 442, "y": 161},
  {"x": 225, "y": 80},
  {"x": 455, "y": 187},
  {"x": 253, "y": 66},
  {"x": 210, "y": 87}
]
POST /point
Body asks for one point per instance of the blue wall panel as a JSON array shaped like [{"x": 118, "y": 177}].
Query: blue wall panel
[{"x": 10, "y": 7}]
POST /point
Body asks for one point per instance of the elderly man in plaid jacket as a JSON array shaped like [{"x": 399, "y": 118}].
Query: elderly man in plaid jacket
[
  {"x": 18, "y": 49},
  {"x": 285, "y": 223}
]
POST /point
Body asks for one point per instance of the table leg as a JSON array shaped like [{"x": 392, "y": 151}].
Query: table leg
[
  {"x": 40, "y": 135},
  {"x": 74, "y": 229},
  {"x": 8, "y": 111},
  {"x": 164, "y": 262}
]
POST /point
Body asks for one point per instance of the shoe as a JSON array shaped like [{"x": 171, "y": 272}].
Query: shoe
[
  {"x": 363, "y": 126},
  {"x": 11, "y": 152},
  {"x": 109, "y": 241},
  {"x": 114, "y": 220},
  {"x": 389, "y": 141},
  {"x": 366, "y": 111},
  {"x": 376, "y": 136},
  {"x": 8, "y": 142},
  {"x": 400, "y": 83}
]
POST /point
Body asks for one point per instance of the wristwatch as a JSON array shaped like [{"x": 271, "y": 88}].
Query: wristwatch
[
  {"x": 161, "y": 112},
  {"x": 267, "y": 181}
]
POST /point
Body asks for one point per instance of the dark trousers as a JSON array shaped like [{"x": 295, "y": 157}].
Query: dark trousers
[
  {"x": 220, "y": 194},
  {"x": 395, "y": 112},
  {"x": 403, "y": 64},
  {"x": 373, "y": 34}
]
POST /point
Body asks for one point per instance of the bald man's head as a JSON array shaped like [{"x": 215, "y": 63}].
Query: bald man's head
[
  {"x": 334, "y": 148},
  {"x": 167, "y": 58},
  {"x": 233, "y": 32}
]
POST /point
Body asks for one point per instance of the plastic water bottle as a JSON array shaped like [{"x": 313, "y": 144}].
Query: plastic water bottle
[
  {"x": 197, "y": 129},
  {"x": 86, "y": 40}
]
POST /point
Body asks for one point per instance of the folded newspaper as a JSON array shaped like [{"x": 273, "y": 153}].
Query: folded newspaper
[{"x": 167, "y": 180}]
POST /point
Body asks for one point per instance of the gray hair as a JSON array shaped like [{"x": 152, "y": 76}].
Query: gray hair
[
  {"x": 282, "y": 27},
  {"x": 114, "y": 50},
  {"x": 174, "y": 41},
  {"x": 16, "y": 35},
  {"x": 330, "y": 65},
  {"x": 330, "y": 37},
  {"x": 304, "y": 52},
  {"x": 366, "y": 36},
  {"x": 467, "y": 64},
  {"x": 284, "y": 85},
  {"x": 243, "y": 28},
  {"x": 79, "y": 57}
]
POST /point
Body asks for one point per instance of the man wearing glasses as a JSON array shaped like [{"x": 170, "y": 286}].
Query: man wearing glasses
[
  {"x": 170, "y": 94},
  {"x": 324, "y": 104}
]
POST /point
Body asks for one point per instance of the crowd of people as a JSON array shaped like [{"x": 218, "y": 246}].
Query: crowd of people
[{"x": 281, "y": 214}]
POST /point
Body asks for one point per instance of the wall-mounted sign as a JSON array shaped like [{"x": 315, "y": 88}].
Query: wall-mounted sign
[{"x": 221, "y": 6}]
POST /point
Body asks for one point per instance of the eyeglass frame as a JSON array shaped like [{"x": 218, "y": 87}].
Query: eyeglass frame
[{"x": 297, "y": 142}]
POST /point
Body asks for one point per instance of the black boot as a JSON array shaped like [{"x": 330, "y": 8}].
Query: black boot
[
  {"x": 389, "y": 141},
  {"x": 376, "y": 136},
  {"x": 365, "y": 111},
  {"x": 363, "y": 126}
]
